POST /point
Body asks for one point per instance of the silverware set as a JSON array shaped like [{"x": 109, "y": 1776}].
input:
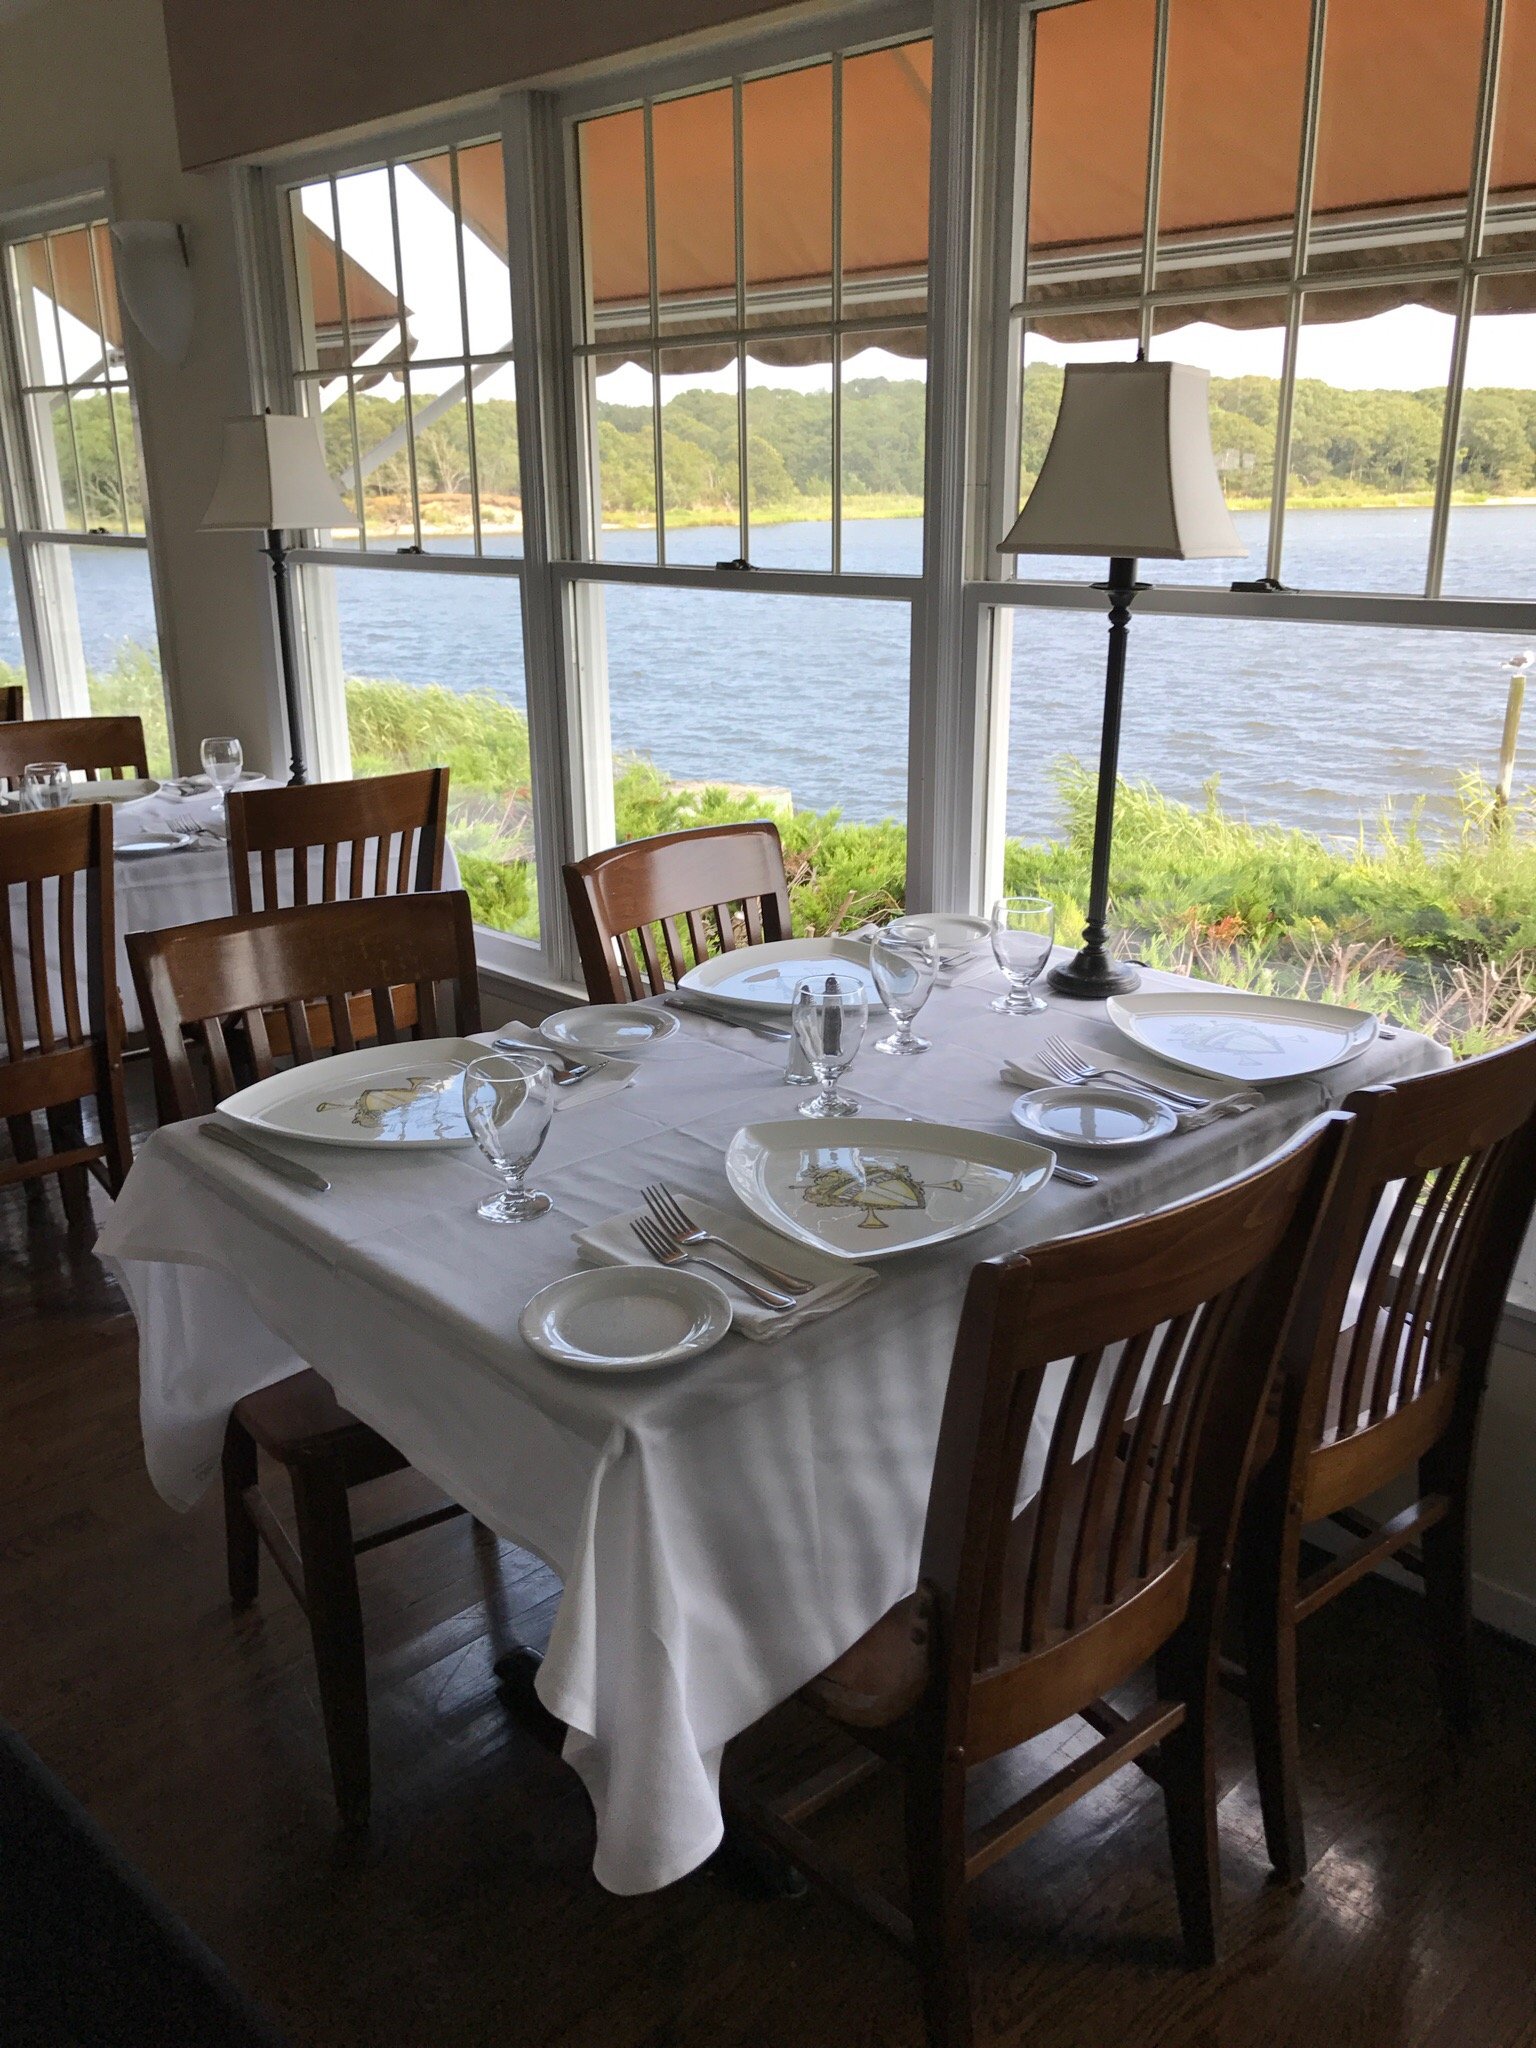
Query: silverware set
[
  {"x": 695, "y": 1005},
  {"x": 567, "y": 1071},
  {"x": 1068, "y": 1066},
  {"x": 672, "y": 1238}
]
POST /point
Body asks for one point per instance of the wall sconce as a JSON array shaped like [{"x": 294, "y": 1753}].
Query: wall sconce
[{"x": 155, "y": 281}]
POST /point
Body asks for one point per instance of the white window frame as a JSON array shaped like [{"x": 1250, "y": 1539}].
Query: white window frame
[
  {"x": 1000, "y": 594},
  {"x": 41, "y": 566}
]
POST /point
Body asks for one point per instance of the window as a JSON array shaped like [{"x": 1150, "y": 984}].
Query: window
[
  {"x": 77, "y": 550},
  {"x": 750, "y": 362},
  {"x": 401, "y": 348},
  {"x": 1336, "y": 225}
]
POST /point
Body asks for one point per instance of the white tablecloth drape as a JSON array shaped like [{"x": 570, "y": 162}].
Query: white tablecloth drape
[
  {"x": 155, "y": 891},
  {"x": 724, "y": 1529}
]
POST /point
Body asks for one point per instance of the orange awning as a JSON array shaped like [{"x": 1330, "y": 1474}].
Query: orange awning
[
  {"x": 372, "y": 309},
  {"x": 72, "y": 279}
]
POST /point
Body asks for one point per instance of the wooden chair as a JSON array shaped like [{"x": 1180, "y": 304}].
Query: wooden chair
[
  {"x": 1430, "y": 1212},
  {"x": 1021, "y": 1620},
  {"x": 198, "y": 980},
  {"x": 12, "y": 702},
  {"x": 95, "y": 746},
  {"x": 402, "y": 818},
  {"x": 621, "y": 897},
  {"x": 54, "y": 1063}
]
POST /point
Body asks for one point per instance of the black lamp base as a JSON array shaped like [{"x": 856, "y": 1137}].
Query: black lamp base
[{"x": 1091, "y": 975}]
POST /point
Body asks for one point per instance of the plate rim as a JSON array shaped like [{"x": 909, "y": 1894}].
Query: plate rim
[
  {"x": 426, "y": 1048},
  {"x": 90, "y": 792},
  {"x": 663, "y": 1276},
  {"x": 1161, "y": 1110},
  {"x": 1353, "y": 1042},
  {"x": 839, "y": 945},
  {"x": 665, "y": 1025},
  {"x": 1044, "y": 1166}
]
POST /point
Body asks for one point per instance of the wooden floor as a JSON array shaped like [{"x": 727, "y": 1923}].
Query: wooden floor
[{"x": 471, "y": 1916}]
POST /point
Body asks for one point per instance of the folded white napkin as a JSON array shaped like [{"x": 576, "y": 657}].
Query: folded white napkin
[
  {"x": 1219, "y": 1106},
  {"x": 613, "y": 1243},
  {"x": 610, "y": 1077}
]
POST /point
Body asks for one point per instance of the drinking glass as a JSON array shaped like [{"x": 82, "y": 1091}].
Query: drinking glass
[
  {"x": 509, "y": 1098},
  {"x": 222, "y": 761},
  {"x": 828, "y": 1018},
  {"x": 904, "y": 959},
  {"x": 45, "y": 785},
  {"x": 1023, "y": 931}
]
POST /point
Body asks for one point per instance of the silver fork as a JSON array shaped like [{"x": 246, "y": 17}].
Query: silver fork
[
  {"x": 681, "y": 1228},
  {"x": 1070, "y": 1067},
  {"x": 567, "y": 1072},
  {"x": 665, "y": 1253}
]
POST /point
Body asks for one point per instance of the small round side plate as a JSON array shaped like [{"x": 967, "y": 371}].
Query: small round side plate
[
  {"x": 618, "y": 1029},
  {"x": 625, "y": 1318},
  {"x": 1094, "y": 1119}
]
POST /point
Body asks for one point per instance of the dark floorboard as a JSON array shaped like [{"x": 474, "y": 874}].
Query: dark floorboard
[{"x": 470, "y": 1914}]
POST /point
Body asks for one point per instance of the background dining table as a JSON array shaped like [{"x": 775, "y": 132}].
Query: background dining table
[
  {"x": 724, "y": 1528},
  {"x": 165, "y": 886}
]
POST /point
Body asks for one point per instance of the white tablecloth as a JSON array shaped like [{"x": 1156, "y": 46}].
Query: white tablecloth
[
  {"x": 725, "y": 1529},
  {"x": 157, "y": 890}
]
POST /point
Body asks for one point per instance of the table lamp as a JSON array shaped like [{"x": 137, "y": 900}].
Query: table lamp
[
  {"x": 272, "y": 478},
  {"x": 1129, "y": 473}
]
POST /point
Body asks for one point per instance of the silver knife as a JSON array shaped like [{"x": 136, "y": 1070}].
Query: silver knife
[
  {"x": 277, "y": 1162},
  {"x": 691, "y": 1005}
]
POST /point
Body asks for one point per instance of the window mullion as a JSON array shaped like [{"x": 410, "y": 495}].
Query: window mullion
[
  {"x": 405, "y": 360},
  {"x": 837, "y": 314},
  {"x": 1154, "y": 173},
  {"x": 1306, "y": 172},
  {"x": 739, "y": 216},
  {"x": 655, "y": 319}
]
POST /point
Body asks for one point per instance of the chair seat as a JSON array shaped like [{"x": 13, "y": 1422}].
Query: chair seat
[{"x": 300, "y": 1417}]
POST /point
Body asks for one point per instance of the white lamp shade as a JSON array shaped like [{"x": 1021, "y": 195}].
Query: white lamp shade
[
  {"x": 1129, "y": 470},
  {"x": 272, "y": 474}
]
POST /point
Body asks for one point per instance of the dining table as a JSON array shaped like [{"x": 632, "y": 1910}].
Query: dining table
[
  {"x": 724, "y": 1527},
  {"x": 171, "y": 867}
]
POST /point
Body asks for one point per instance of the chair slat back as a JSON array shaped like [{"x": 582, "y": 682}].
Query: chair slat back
[
  {"x": 42, "y": 855},
  {"x": 648, "y": 911},
  {"x": 92, "y": 746},
  {"x": 380, "y": 835},
  {"x": 1140, "y": 1355},
  {"x": 12, "y": 702},
  {"x": 1427, "y": 1225},
  {"x": 218, "y": 980}
]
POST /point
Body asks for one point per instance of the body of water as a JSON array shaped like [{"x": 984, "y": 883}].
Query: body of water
[{"x": 1310, "y": 726}]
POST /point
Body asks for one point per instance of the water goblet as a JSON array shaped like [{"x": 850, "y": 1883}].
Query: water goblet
[
  {"x": 904, "y": 960},
  {"x": 222, "y": 761},
  {"x": 509, "y": 1098},
  {"x": 45, "y": 785},
  {"x": 1023, "y": 931},
  {"x": 828, "y": 1019}
]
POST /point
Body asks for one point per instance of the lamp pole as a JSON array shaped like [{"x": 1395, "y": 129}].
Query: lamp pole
[
  {"x": 277, "y": 554},
  {"x": 1091, "y": 973}
]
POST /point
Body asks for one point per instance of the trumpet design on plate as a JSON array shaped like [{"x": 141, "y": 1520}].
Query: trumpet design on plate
[
  {"x": 875, "y": 1185},
  {"x": 373, "y": 1108}
]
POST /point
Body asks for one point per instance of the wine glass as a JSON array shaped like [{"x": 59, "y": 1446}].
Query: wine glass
[
  {"x": 45, "y": 785},
  {"x": 1023, "y": 931},
  {"x": 828, "y": 1019},
  {"x": 904, "y": 960},
  {"x": 222, "y": 761},
  {"x": 509, "y": 1098}
]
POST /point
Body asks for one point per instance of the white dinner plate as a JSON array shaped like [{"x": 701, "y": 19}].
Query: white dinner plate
[
  {"x": 868, "y": 1187},
  {"x": 1094, "y": 1119},
  {"x": 624, "y": 1029},
  {"x": 130, "y": 790},
  {"x": 958, "y": 937},
  {"x": 766, "y": 977},
  {"x": 625, "y": 1318},
  {"x": 153, "y": 842},
  {"x": 1238, "y": 1037},
  {"x": 398, "y": 1095}
]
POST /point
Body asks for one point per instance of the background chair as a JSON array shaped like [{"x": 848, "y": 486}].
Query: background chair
[
  {"x": 196, "y": 981},
  {"x": 94, "y": 746},
  {"x": 1429, "y": 1215},
  {"x": 1022, "y": 1620},
  {"x": 683, "y": 884},
  {"x": 52, "y": 1062},
  {"x": 12, "y": 702}
]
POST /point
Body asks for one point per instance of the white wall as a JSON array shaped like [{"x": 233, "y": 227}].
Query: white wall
[{"x": 85, "y": 83}]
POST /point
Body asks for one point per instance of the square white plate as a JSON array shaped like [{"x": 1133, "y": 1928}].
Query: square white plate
[
  {"x": 1240, "y": 1037},
  {"x": 398, "y": 1095},
  {"x": 865, "y": 1188},
  {"x": 766, "y": 977}
]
